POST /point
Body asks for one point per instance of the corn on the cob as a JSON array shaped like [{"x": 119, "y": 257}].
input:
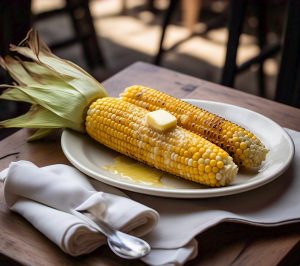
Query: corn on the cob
[
  {"x": 245, "y": 148},
  {"x": 122, "y": 126}
]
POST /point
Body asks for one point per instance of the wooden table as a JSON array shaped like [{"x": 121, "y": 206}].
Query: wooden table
[{"x": 221, "y": 245}]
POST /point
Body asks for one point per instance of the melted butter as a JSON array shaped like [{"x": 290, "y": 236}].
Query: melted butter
[{"x": 135, "y": 171}]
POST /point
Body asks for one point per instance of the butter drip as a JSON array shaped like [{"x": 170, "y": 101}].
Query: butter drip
[{"x": 135, "y": 171}]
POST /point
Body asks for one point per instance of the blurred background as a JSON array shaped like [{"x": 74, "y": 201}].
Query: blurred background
[{"x": 252, "y": 46}]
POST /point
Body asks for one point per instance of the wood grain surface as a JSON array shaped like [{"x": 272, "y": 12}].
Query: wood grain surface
[{"x": 224, "y": 244}]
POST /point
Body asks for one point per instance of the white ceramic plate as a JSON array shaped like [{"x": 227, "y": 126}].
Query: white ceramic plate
[{"x": 91, "y": 157}]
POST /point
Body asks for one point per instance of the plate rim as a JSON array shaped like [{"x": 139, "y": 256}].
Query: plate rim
[{"x": 184, "y": 193}]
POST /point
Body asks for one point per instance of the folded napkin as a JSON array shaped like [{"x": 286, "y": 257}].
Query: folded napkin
[
  {"x": 49, "y": 198},
  {"x": 173, "y": 239}
]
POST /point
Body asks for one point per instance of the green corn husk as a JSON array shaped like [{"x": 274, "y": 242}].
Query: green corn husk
[{"x": 59, "y": 91}]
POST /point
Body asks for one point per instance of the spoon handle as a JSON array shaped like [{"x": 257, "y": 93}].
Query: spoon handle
[{"x": 96, "y": 223}]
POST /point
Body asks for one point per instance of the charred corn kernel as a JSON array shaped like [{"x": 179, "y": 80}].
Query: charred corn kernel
[
  {"x": 227, "y": 135},
  {"x": 243, "y": 145},
  {"x": 175, "y": 151}
]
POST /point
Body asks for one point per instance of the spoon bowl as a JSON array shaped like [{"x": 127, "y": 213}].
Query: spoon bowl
[
  {"x": 124, "y": 245},
  {"x": 127, "y": 246}
]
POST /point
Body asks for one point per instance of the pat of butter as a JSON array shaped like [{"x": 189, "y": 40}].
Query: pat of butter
[{"x": 161, "y": 120}]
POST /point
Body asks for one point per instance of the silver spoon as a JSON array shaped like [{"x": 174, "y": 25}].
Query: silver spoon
[{"x": 124, "y": 245}]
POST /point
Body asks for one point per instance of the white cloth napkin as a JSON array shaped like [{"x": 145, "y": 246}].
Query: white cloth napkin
[
  {"x": 49, "y": 197},
  {"x": 172, "y": 240}
]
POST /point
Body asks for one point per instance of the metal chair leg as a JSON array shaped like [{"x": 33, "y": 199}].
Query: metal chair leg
[
  {"x": 260, "y": 8},
  {"x": 235, "y": 26},
  {"x": 84, "y": 27},
  {"x": 166, "y": 22},
  {"x": 288, "y": 77}
]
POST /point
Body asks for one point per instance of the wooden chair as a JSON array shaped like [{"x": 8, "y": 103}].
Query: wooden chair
[
  {"x": 288, "y": 81},
  {"x": 237, "y": 14},
  {"x": 173, "y": 4},
  {"x": 166, "y": 21},
  {"x": 83, "y": 26},
  {"x": 288, "y": 84}
]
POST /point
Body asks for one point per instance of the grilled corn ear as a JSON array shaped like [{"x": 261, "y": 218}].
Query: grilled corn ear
[
  {"x": 245, "y": 148},
  {"x": 122, "y": 126}
]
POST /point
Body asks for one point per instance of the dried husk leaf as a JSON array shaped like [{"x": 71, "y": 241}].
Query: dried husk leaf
[
  {"x": 36, "y": 117},
  {"x": 14, "y": 93},
  {"x": 40, "y": 133},
  {"x": 59, "y": 90}
]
